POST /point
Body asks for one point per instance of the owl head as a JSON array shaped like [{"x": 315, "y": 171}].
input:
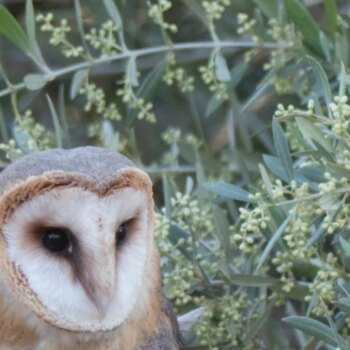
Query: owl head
[{"x": 76, "y": 238}]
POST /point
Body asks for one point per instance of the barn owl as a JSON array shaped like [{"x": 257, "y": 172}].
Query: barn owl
[{"x": 79, "y": 266}]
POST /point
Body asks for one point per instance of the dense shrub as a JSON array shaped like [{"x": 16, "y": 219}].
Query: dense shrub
[{"x": 239, "y": 112}]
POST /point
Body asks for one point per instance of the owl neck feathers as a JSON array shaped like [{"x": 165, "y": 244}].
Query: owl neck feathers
[{"x": 21, "y": 329}]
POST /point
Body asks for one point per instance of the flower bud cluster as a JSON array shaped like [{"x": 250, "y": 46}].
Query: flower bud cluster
[
  {"x": 215, "y": 86},
  {"x": 172, "y": 137},
  {"x": 96, "y": 101},
  {"x": 213, "y": 326},
  {"x": 11, "y": 150},
  {"x": 178, "y": 75},
  {"x": 33, "y": 137},
  {"x": 142, "y": 107},
  {"x": 215, "y": 9},
  {"x": 252, "y": 222},
  {"x": 104, "y": 39},
  {"x": 58, "y": 35},
  {"x": 187, "y": 214},
  {"x": 281, "y": 33},
  {"x": 245, "y": 24},
  {"x": 340, "y": 111},
  {"x": 321, "y": 289},
  {"x": 156, "y": 12}
]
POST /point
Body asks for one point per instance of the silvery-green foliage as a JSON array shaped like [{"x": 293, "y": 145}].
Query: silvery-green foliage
[{"x": 239, "y": 111}]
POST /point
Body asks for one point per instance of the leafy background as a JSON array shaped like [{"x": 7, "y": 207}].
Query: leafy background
[{"x": 239, "y": 112}]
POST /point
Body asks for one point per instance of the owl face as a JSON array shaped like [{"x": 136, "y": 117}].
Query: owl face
[{"x": 76, "y": 252}]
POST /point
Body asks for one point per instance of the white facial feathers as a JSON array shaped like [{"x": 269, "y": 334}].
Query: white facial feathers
[{"x": 97, "y": 286}]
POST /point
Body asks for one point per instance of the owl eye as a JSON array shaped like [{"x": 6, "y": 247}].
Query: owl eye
[
  {"x": 121, "y": 234},
  {"x": 56, "y": 239}
]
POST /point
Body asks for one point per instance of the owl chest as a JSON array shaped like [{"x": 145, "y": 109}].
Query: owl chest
[
  {"x": 16, "y": 336},
  {"x": 14, "y": 332}
]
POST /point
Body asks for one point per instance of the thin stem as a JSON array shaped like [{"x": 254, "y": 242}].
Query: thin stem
[
  {"x": 143, "y": 52},
  {"x": 309, "y": 198},
  {"x": 213, "y": 32},
  {"x": 302, "y": 114},
  {"x": 14, "y": 105}
]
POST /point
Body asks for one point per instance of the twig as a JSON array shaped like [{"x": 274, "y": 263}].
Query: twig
[{"x": 52, "y": 75}]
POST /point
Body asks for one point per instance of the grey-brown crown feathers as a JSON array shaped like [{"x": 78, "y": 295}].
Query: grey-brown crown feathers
[{"x": 96, "y": 164}]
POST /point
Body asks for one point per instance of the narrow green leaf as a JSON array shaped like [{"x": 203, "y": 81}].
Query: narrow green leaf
[
  {"x": 221, "y": 69},
  {"x": 63, "y": 116},
  {"x": 77, "y": 82},
  {"x": 258, "y": 323},
  {"x": 303, "y": 179},
  {"x": 331, "y": 15},
  {"x": 237, "y": 73},
  {"x": 253, "y": 280},
  {"x": 341, "y": 46},
  {"x": 260, "y": 91},
  {"x": 343, "y": 304},
  {"x": 12, "y": 30},
  {"x": 233, "y": 111},
  {"x": 321, "y": 76},
  {"x": 30, "y": 29},
  {"x": 176, "y": 233},
  {"x": 316, "y": 329},
  {"x": 189, "y": 185},
  {"x": 167, "y": 196},
  {"x": 151, "y": 80},
  {"x": 22, "y": 139},
  {"x": 79, "y": 17},
  {"x": 313, "y": 173},
  {"x": 146, "y": 88},
  {"x": 266, "y": 179},
  {"x": 30, "y": 23},
  {"x": 345, "y": 245},
  {"x": 326, "y": 47},
  {"x": 56, "y": 123},
  {"x": 304, "y": 22},
  {"x": 3, "y": 128},
  {"x": 200, "y": 177},
  {"x": 320, "y": 232},
  {"x": 297, "y": 135},
  {"x": 333, "y": 327},
  {"x": 221, "y": 225},
  {"x": 339, "y": 170},
  {"x": 131, "y": 71},
  {"x": 3, "y": 74},
  {"x": 197, "y": 9},
  {"x": 272, "y": 242},
  {"x": 296, "y": 293},
  {"x": 34, "y": 81},
  {"x": 327, "y": 201},
  {"x": 312, "y": 133},
  {"x": 274, "y": 164},
  {"x": 282, "y": 149},
  {"x": 342, "y": 80},
  {"x": 114, "y": 13},
  {"x": 327, "y": 155},
  {"x": 109, "y": 136},
  {"x": 269, "y": 8},
  {"x": 228, "y": 190},
  {"x": 213, "y": 104}
]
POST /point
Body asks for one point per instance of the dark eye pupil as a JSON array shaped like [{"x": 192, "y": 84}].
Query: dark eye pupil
[
  {"x": 55, "y": 239},
  {"x": 121, "y": 234}
]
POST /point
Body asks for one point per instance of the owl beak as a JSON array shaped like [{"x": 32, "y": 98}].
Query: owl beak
[
  {"x": 98, "y": 280},
  {"x": 102, "y": 303}
]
